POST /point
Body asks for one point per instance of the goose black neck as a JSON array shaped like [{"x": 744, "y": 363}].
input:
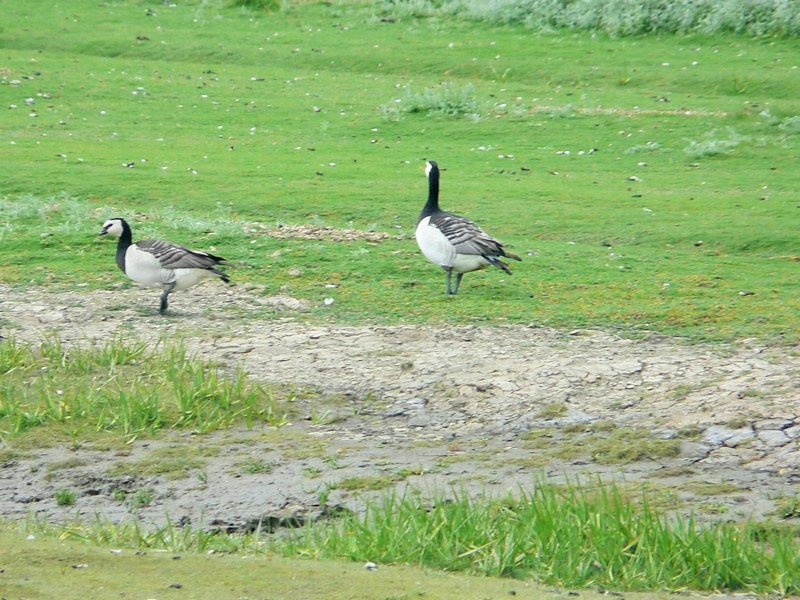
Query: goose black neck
[
  {"x": 125, "y": 240},
  {"x": 432, "y": 205}
]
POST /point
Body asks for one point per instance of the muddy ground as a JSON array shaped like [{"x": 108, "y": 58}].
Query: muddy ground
[{"x": 473, "y": 408}]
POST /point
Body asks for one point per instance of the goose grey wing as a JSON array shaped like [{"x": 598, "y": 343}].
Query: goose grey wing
[
  {"x": 172, "y": 256},
  {"x": 466, "y": 236}
]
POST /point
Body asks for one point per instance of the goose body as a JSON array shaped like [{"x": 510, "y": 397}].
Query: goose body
[
  {"x": 454, "y": 242},
  {"x": 156, "y": 263}
]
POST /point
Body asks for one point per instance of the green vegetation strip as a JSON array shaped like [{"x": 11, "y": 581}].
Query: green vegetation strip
[
  {"x": 128, "y": 388},
  {"x": 570, "y": 536},
  {"x": 615, "y": 17}
]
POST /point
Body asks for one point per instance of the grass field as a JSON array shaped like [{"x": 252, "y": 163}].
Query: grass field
[{"x": 647, "y": 182}]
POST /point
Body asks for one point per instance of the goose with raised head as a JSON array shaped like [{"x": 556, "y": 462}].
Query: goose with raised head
[
  {"x": 454, "y": 242},
  {"x": 156, "y": 263}
]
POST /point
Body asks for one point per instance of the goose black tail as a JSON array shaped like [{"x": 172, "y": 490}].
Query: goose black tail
[
  {"x": 222, "y": 275},
  {"x": 498, "y": 263}
]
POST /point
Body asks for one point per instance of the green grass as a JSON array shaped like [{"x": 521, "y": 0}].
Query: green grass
[
  {"x": 40, "y": 566},
  {"x": 571, "y": 536},
  {"x": 139, "y": 499},
  {"x": 238, "y": 120},
  {"x": 65, "y": 497},
  {"x": 173, "y": 462},
  {"x": 253, "y": 466},
  {"x": 129, "y": 389}
]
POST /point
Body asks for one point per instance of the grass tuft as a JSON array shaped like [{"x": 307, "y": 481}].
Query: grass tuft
[
  {"x": 125, "y": 387},
  {"x": 65, "y": 497},
  {"x": 266, "y": 5},
  {"x": 713, "y": 145},
  {"x": 790, "y": 125},
  {"x": 447, "y": 99}
]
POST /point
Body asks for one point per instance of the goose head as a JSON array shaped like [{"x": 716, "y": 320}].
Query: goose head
[
  {"x": 430, "y": 165},
  {"x": 113, "y": 227}
]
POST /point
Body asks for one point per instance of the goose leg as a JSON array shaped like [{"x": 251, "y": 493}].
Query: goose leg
[
  {"x": 449, "y": 271},
  {"x": 164, "y": 302},
  {"x": 458, "y": 282}
]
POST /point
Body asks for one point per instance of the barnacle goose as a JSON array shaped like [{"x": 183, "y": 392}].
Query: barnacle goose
[
  {"x": 155, "y": 263},
  {"x": 453, "y": 242}
]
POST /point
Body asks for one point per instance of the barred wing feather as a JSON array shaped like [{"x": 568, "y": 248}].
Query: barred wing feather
[
  {"x": 172, "y": 256},
  {"x": 466, "y": 236}
]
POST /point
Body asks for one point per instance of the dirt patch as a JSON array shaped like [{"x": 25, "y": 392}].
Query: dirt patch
[
  {"x": 709, "y": 428},
  {"x": 320, "y": 232}
]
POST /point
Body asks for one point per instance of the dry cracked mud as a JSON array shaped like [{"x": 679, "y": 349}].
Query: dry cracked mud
[{"x": 713, "y": 429}]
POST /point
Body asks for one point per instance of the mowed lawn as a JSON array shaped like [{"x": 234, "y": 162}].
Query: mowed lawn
[{"x": 649, "y": 183}]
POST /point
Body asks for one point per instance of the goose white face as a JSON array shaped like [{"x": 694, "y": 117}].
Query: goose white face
[
  {"x": 428, "y": 168},
  {"x": 112, "y": 227}
]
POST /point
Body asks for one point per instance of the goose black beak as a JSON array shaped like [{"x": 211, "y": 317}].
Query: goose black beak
[{"x": 104, "y": 231}]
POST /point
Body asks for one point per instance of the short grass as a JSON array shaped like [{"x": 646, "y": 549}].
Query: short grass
[
  {"x": 607, "y": 443},
  {"x": 171, "y": 462},
  {"x": 645, "y": 181}
]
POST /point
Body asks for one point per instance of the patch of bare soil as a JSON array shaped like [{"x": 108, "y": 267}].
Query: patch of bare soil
[
  {"x": 709, "y": 428},
  {"x": 320, "y": 232}
]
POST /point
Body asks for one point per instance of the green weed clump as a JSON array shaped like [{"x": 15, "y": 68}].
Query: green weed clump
[
  {"x": 570, "y": 537},
  {"x": 446, "y": 99},
  {"x": 713, "y": 144},
  {"x": 617, "y": 17},
  {"x": 125, "y": 387},
  {"x": 268, "y": 5},
  {"x": 790, "y": 125},
  {"x": 65, "y": 497}
]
